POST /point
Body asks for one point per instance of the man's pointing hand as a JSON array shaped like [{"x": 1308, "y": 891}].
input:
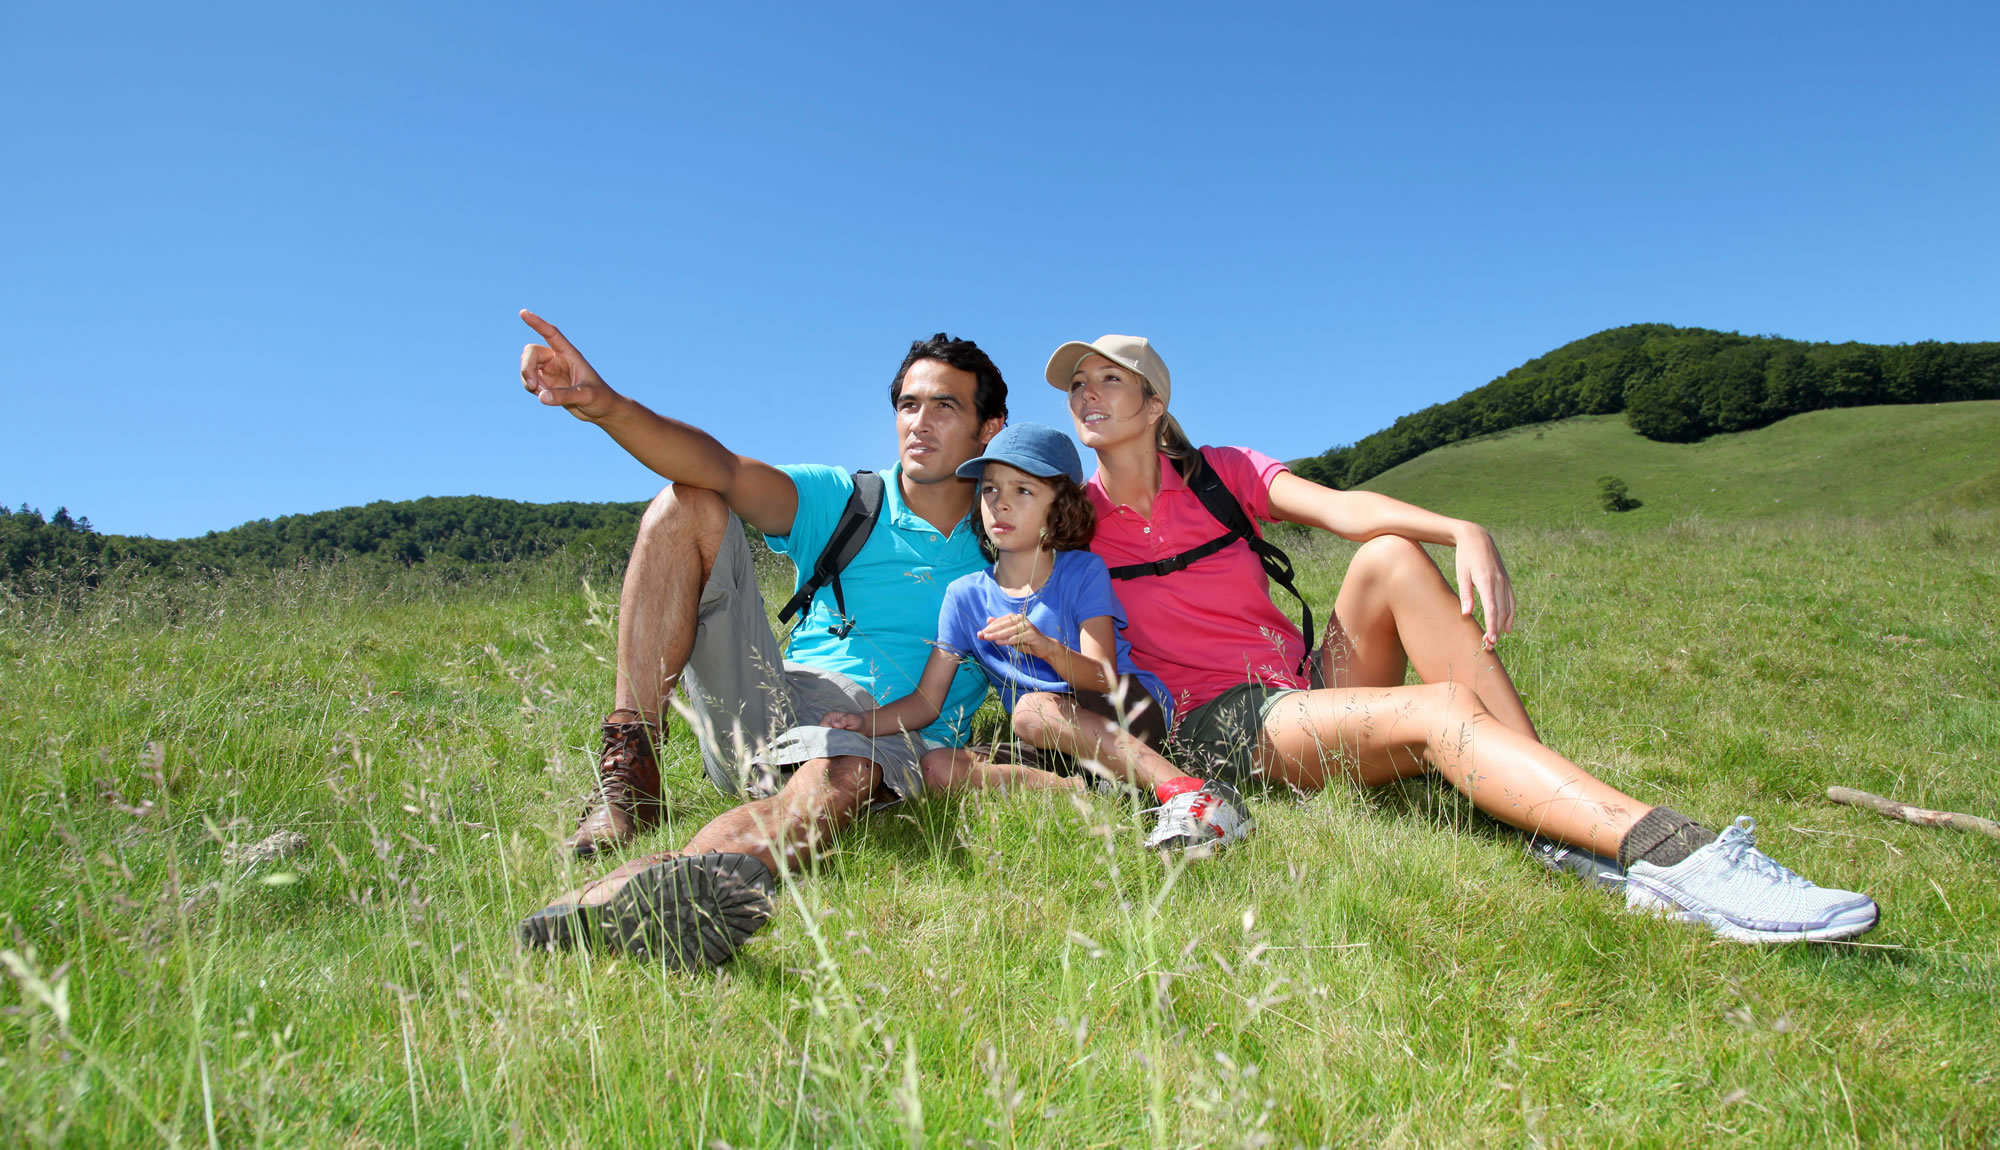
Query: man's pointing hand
[{"x": 559, "y": 376}]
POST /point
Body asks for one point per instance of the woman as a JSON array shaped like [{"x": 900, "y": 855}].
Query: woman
[{"x": 1252, "y": 702}]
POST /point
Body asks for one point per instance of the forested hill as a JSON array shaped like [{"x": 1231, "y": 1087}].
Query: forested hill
[
  {"x": 465, "y": 529},
  {"x": 1676, "y": 385}
]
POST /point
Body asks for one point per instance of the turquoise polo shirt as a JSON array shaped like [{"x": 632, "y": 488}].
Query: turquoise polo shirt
[{"x": 894, "y": 590}]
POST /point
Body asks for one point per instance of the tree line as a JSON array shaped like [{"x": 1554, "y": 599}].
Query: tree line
[
  {"x": 1673, "y": 384},
  {"x": 466, "y": 530},
  {"x": 1676, "y": 385}
]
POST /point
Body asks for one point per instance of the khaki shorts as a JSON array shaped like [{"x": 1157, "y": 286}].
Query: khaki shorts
[{"x": 747, "y": 700}]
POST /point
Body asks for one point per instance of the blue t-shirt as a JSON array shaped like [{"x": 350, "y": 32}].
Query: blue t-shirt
[
  {"x": 1079, "y": 588},
  {"x": 893, "y": 588}
]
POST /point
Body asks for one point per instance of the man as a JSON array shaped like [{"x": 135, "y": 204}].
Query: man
[{"x": 690, "y": 615}]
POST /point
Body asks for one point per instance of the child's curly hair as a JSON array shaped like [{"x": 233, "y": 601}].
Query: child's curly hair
[{"x": 1070, "y": 525}]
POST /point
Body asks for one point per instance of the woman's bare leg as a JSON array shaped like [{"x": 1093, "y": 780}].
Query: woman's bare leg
[
  {"x": 1395, "y": 610},
  {"x": 960, "y": 768},
  {"x": 1055, "y": 723},
  {"x": 1374, "y": 735}
]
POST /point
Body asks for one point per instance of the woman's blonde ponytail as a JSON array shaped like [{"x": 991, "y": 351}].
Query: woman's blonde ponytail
[{"x": 1172, "y": 441}]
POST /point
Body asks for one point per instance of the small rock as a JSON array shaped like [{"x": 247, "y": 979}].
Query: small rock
[{"x": 282, "y": 845}]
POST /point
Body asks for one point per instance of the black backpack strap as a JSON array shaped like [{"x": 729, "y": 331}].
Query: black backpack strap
[
  {"x": 857, "y": 521},
  {"x": 1173, "y": 563},
  {"x": 1223, "y": 505}
]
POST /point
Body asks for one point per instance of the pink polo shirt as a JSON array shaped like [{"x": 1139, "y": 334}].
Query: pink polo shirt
[{"x": 1212, "y": 626}]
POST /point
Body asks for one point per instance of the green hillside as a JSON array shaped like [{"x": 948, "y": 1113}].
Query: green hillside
[
  {"x": 1675, "y": 385},
  {"x": 1849, "y": 461}
]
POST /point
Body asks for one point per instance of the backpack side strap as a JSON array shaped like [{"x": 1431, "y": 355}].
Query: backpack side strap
[{"x": 850, "y": 532}]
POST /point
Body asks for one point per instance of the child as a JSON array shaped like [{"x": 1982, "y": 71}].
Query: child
[{"x": 1042, "y": 623}]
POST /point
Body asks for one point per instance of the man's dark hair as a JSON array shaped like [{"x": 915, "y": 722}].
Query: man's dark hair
[{"x": 989, "y": 396}]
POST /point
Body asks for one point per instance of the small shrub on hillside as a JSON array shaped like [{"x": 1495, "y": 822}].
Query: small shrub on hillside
[{"x": 1613, "y": 496}]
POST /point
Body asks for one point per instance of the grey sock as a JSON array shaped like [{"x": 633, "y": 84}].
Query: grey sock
[{"x": 1663, "y": 837}]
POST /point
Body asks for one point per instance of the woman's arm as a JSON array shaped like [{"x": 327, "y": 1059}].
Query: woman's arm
[
  {"x": 912, "y": 712},
  {"x": 1363, "y": 515},
  {"x": 1092, "y": 669}
]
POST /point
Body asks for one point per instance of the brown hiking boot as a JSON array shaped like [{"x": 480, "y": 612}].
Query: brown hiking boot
[
  {"x": 688, "y": 911},
  {"x": 628, "y": 798}
]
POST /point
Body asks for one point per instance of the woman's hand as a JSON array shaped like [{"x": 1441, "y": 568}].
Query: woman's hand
[
  {"x": 1481, "y": 570},
  {"x": 1015, "y": 631},
  {"x": 841, "y": 720},
  {"x": 1363, "y": 515}
]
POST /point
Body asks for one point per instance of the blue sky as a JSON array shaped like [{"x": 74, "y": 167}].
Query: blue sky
[{"x": 265, "y": 258}]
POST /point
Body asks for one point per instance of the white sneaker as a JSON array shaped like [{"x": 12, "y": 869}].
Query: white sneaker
[
  {"x": 1212, "y": 817},
  {"x": 1743, "y": 894}
]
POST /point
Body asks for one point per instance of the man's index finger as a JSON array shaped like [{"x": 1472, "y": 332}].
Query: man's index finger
[{"x": 547, "y": 331}]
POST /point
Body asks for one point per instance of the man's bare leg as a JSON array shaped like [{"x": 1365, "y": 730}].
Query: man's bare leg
[
  {"x": 1394, "y": 611},
  {"x": 784, "y": 831},
  {"x": 694, "y": 906},
  {"x": 679, "y": 537}
]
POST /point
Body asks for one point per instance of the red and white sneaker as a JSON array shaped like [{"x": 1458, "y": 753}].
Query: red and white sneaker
[{"x": 1212, "y": 817}]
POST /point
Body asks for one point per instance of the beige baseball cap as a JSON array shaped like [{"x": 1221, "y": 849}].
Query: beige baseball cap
[{"x": 1131, "y": 352}]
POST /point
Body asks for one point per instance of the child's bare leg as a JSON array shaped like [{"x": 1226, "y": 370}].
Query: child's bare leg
[
  {"x": 1056, "y": 723},
  {"x": 959, "y": 768}
]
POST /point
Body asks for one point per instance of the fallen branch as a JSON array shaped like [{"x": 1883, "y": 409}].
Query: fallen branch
[{"x": 1915, "y": 816}]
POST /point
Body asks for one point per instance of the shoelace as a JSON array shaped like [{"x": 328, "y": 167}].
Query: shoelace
[
  {"x": 1739, "y": 846},
  {"x": 617, "y": 781},
  {"x": 1188, "y": 819}
]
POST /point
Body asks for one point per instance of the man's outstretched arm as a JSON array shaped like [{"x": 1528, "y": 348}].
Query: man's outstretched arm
[{"x": 559, "y": 376}]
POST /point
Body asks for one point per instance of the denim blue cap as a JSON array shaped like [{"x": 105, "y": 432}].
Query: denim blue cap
[{"x": 1035, "y": 448}]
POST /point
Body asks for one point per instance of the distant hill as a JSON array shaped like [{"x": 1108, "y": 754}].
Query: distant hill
[
  {"x": 1676, "y": 385},
  {"x": 465, "y": 529},
  {"x": 1854, "y": 461}
]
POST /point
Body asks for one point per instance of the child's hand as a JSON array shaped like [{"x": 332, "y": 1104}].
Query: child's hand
[
  {"x": 1015, "y": 631},
  {"x": 841, "y": 720}
]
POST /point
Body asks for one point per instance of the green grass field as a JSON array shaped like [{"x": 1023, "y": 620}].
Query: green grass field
[
  {"x": 1848, "y": 461},
  {"x": 1374, "y": 968}
]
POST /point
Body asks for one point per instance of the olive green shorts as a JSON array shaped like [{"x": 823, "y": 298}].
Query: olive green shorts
[{"x": 1219, "y": 739}]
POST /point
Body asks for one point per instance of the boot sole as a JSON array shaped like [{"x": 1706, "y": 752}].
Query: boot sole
[
  {"x": 559, "y": 927},
  {"x": 1852, "y": 921},
  {"x": 690, "y": 912}
]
